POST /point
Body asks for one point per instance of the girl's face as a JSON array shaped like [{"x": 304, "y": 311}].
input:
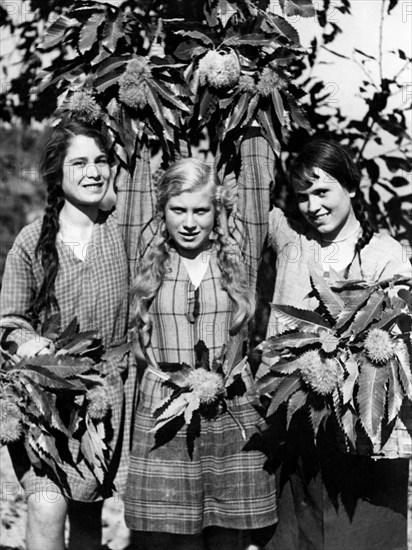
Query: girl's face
[
  {"x": 86, "y": 172},
  {"x": 326, "y": 205},
  {"x": 190, "y": 219}
]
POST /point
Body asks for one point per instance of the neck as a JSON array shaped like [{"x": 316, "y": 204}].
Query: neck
[
  {"x": 81, "y": 217},
  {"x": 351, "y": 227},
  {"x": 193, "y": 254}
]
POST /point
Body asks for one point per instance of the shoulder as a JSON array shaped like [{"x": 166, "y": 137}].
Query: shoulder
[
  {"x": 108, "y": 220},
  {"x": 386, "y": 257},
  {"x": 28, "y": 236},
  {"x": 385, "y": 244}
]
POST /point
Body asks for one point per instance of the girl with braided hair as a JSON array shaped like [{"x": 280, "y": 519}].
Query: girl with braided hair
[
  {"x": 329, "y": 500},
  {"x": 194, "y": 283},
  {"x": 72, "y": 262}
]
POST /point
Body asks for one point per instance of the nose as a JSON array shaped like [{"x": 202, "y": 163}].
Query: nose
[
  {"x": 313, "y": 203},
  {"x": 92, "y": 171},
  {"x": 189, "y": 222}
]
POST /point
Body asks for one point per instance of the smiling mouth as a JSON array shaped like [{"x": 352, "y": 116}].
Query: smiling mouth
[
  {"x": 318, "y": 219},
  {"x": 92, "y": 185}
]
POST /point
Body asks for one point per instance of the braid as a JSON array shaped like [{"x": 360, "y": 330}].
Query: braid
[
  {"x": 46, "y": 248},
  {"x": 56, "y": 142},
  {"x": 362, "y": 213}
]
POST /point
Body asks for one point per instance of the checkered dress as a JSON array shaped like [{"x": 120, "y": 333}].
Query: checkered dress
[
  {"x": 95, "y": 291},
  {"x": 222, "y": 485}
]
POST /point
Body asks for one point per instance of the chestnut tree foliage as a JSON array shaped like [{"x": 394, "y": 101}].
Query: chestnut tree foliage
[{"x": 222, "y": 64}]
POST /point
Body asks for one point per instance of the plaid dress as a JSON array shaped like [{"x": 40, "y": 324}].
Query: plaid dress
[
  {"x": 336, "y": 501},
  {"x": 222, "y": 485},
  {"x": 95, "y": 290}
]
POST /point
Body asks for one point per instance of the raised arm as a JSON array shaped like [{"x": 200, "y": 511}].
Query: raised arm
[
  {"x": 136, "y": 199},
  {"x": 253, "y": 200}
]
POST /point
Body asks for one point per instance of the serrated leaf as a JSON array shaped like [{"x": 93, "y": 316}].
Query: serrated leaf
[
  {"x": 353, "y": 302},
  {"x": 168, "y": 431},
  {"x": 253, "y": 39},
  {"x": 88, "y": 33},
  {"x": 193, "y": 431},
  {"x": 113, "y": 32},
  {"x": 86, "y": 337},
  {"x": 329, "y": 299},
  {"x": 285, "y": 28},
  {"x": 304, "y": 319},
  {"x": 371, "y": 312},
  {"x": 56, "y": 31},
  {"x": 296, "y": 402},
  {"x": 278, "y": 105},
  {"x": 303, "y": 8},
  {"x": 43, "y": 445},
  {"x": 180, "y": 376},
  {"x": 51, "y": 328},
  {"x": 61, "y": 366},
  {"x": 48, "y": 379},
  {"x": 267, "y": 126},
  {"x": 169, "y": 96},
  {"x": 92, "y": 448},
  {"x": 316, "y": 417},
  {"x": 109, "y": 79},
  {"x": 192, "y": 406},
  {"x": 287, "y": 387},
  {"x": 297, "y": 113},
  {"x": 329, "y": 341},
  {"x": 371, "y": 397},
  {"x": 175, "y": 408},
  {"x": 157, "y": 108},
  {"x": 89, "y": 456},
  {"x": 114, "y": 63},
  {"x": 389, "y": 317},
  {"x": 406, "y": 296},
  {"x": 238, "y": 113},
  {"x": 235, "y": 371},
  {"x": 202, "y": 355},
  {"x": 69, "y": 332},
  {"x": 117, "y": 351},
  {"x": 197, "y": 36},
  {"x": 189, "y": 49},
  {"x": 395, "y": 393},
  {"x": 404, "y": 371},
  {"x": 349, "y": 426},
  {"x": 287, "y": 368},
  {"x": 272, "y": 345},
  {"x": 207, "y": 105},
  {"x": 265, "y": 385},
  {"x": 348, "y": 386}
]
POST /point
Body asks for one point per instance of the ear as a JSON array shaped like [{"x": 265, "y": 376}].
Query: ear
[{"x": 352, "y": 194}]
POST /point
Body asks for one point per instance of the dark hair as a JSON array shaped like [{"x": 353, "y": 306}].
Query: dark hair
[
  {"x": 335, "y": 160},
  {"x": 55, "y": 145}
]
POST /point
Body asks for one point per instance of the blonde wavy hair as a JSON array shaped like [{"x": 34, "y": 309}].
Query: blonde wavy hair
[{"x": 190, "y": 175}]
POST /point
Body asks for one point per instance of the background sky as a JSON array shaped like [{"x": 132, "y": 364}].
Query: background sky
[{"x": 361, "y": 30}]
